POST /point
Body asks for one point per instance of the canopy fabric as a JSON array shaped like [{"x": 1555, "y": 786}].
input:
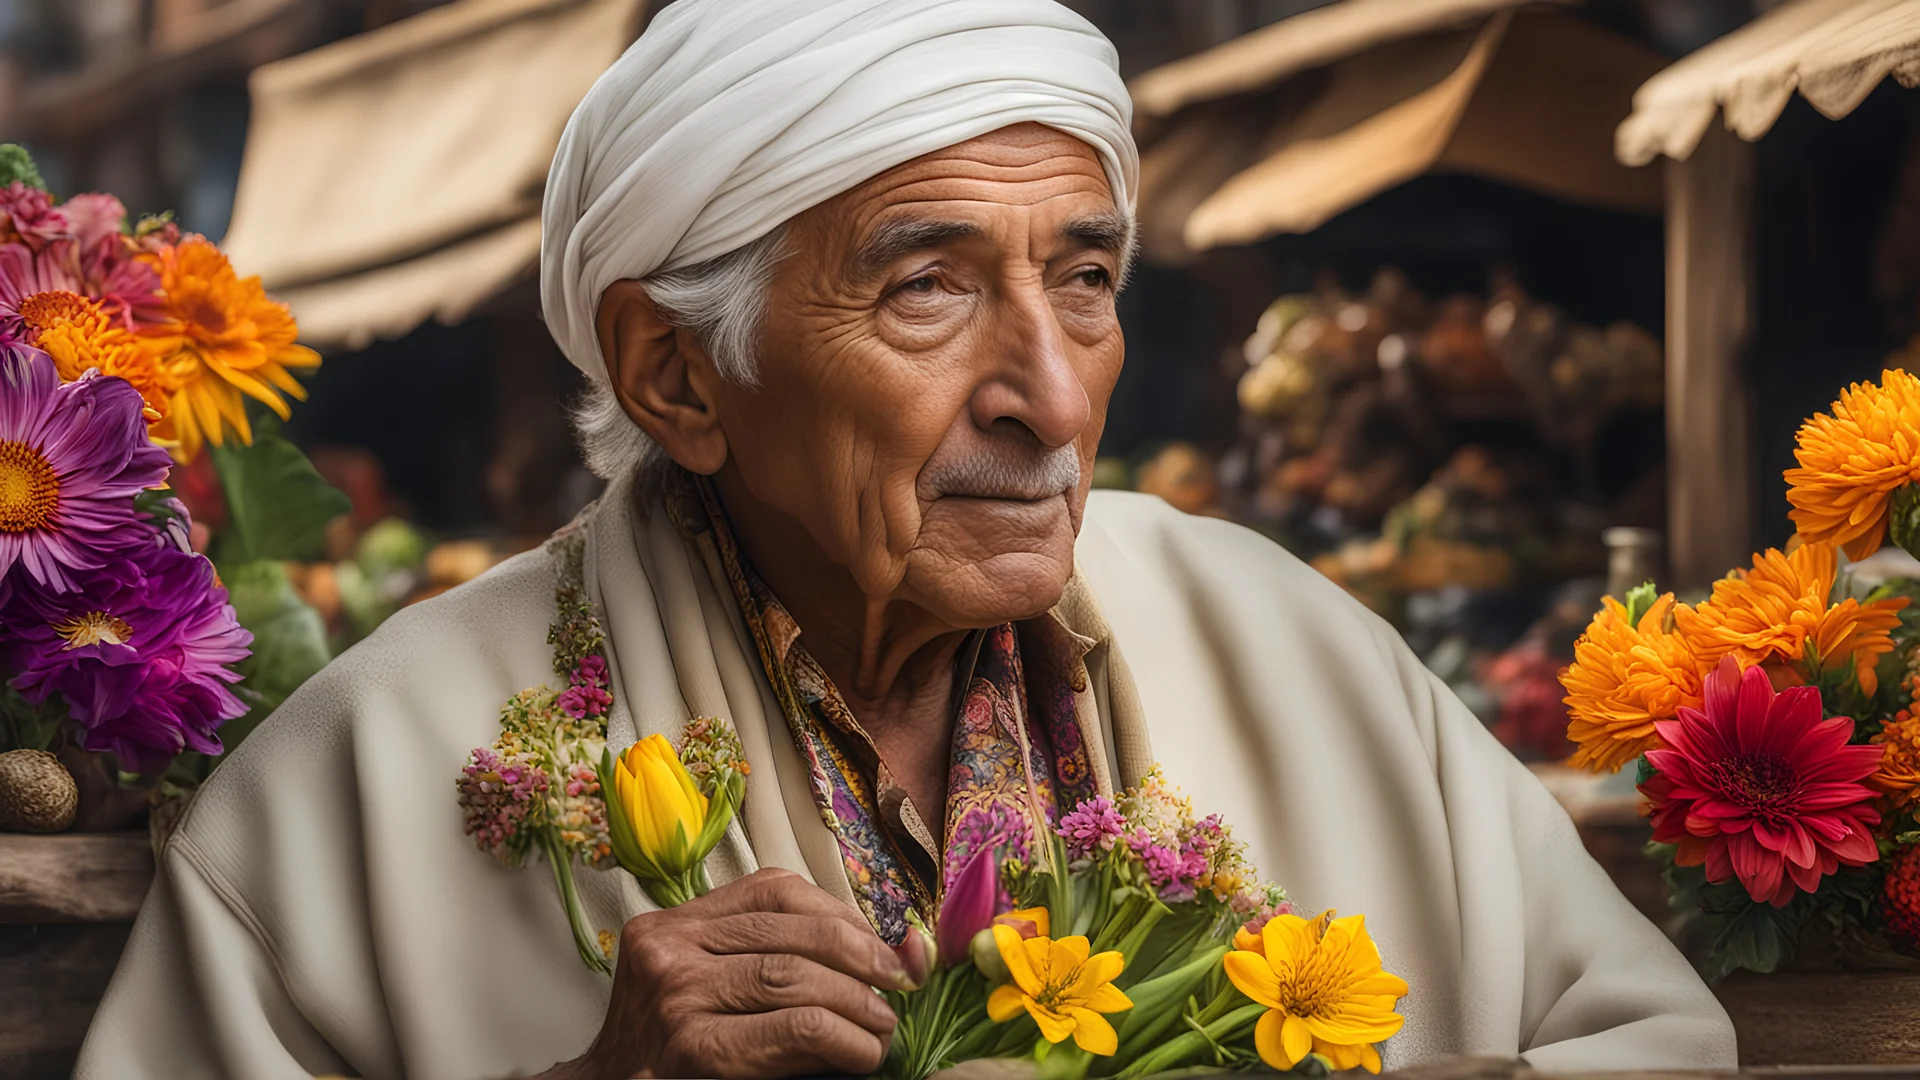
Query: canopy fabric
[
  {"x": 1528, "y": 97},
  {"x": 1833, "y": 51},
  {"x": 447, "y": 284},
  {"x": 1311, "y": 39},
  {"x": 406, "y": 143}
]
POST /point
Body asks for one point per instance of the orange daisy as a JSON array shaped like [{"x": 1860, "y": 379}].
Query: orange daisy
[
  {"x": 1852, "y": 462},
  {"x": 223, "y": 337},
  {"x": 1899, "y": 739},
  {"x": 1777, "y": 614},
  {"x": 80, "y": 336},
  {"x": 1624, "y": 677}
]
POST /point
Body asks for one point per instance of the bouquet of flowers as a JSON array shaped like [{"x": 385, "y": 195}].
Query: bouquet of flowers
[
  {"x": 126, "y": 351},
  {"x": 1136, "y": 940},
  {"x": 1130, "y": 939},
  {"x": 1774, "y": 724}
]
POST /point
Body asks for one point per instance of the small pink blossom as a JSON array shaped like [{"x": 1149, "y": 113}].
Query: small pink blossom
[
  {"x": 1093, "y": 826},
  {"x": 31, "y": 215}
]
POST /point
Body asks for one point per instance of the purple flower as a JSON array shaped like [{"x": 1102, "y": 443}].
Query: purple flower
[
  {"x": 588, "y": 696},
  {"x": 139, "y": 651},
  {"x": 969, "y": 906},
  {"x": 72, "y": 458},
  {"x": 996, "y": 827},
  {"x": 1092, "y": 826}
]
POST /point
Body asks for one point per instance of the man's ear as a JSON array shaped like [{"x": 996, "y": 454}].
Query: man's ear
[{"x": 661, "y": 376}]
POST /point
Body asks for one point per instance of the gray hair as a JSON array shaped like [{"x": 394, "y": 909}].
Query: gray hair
[{"x": 721, "y": 302}]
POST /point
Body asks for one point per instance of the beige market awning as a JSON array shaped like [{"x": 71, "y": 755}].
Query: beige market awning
[
  {"x": 1284, "y": 137},
  {"x": 1833, "y": 51},
  {"x": 396, "y": 176}
]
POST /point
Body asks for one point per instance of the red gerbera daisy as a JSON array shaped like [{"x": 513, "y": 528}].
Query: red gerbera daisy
[{"x": 1760, "y": 787}]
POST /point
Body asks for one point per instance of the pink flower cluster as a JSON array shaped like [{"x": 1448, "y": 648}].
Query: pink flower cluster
[
  {"x": 588, "y": 695},
  {"x": 1092, "y": 828},
  {"x": 75, "y": 247},
  {"x": 581, "y": 815},
  {"x": 498, "y": 794}
]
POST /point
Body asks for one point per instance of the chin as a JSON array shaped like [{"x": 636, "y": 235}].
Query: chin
[{"x": 982, "y": 563}]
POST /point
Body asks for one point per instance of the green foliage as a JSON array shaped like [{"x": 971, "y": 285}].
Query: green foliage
[
  {"x": 278, "y": 507},
  {"x": 1638, "y": 600},
  {"x": 17, "y": 164},
  {"x": 1643, "y": 771},
  {"x": 1903, "y": 518},
  {"x": 289, "y": 641},
  {"x": 1742, "y": 934},
  {"x": 24, "y": 726}
]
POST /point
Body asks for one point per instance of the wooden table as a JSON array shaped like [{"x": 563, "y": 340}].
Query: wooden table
[{"x": 66, "y": 907}]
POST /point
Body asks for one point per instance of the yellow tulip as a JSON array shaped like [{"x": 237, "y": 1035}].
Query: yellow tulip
[{"x": 661, "y": 802}]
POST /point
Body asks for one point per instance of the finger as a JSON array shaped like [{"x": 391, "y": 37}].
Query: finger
[
  {"x": 772, "y": 889},
  {"x": 796, "y": 1042},
  {"x": 770, "y": 982},
  {"x": 856, "y": 952}
]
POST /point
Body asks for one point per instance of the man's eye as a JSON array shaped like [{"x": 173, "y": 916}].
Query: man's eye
[
  {"x": 1094, "y": 277},
  {"x": 925, "y": 283}
]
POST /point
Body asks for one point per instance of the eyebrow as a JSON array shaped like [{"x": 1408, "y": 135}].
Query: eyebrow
[
  {"x": 1109, "y": 232},
  {"x": 896, "y": 238}
]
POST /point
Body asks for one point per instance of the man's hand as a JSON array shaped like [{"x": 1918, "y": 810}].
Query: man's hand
[{"x": 766, "y": 976}]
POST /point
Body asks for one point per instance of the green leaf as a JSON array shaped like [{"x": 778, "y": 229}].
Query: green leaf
[
  {"x": 277, "y": 505},
  {"x": 1638, "y": 600},
  {"x": 1903, "y": 518},
  {"x": 1644, "y": 771},
  {"x": 17, "y": 164},
  {"x": 289, "y": 641}
]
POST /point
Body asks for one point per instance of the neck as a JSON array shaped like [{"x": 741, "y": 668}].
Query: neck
[{"x": 891, "y": 659}]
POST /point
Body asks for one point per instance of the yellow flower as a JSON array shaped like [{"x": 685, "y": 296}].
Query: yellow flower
[
  {"x": 1061, "y": 987},
  {"x": 1777, "y": 614},
  {"x": 1323, "y": 985},
  {"x": 1853, "y": 461},
  {"x": 1624, "y": 678},
  {"x": 223, "y": 337},
  {"x": 666, "y": 811},
  {"x": 80, "y": 336}
]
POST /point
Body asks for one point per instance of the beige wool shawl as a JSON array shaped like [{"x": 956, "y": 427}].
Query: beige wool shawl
[{"x": 320, "y": 911}]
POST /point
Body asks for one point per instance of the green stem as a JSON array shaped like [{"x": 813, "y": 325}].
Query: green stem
[
  {"x": 584, "y": 939},
  {"x": 1175, "y": 1051}
]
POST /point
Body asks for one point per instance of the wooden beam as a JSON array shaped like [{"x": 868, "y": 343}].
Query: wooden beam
[
  {"x": 234, "y": 37},
  {"x": 1710, "y": 272},
  {"x": 74, "y": 877}
]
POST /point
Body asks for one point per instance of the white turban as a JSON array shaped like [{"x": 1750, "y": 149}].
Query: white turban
[{"x": 728, "y": 117}]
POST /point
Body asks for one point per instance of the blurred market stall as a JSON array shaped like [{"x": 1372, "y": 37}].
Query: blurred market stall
[{"x": 1440, "y": 456}]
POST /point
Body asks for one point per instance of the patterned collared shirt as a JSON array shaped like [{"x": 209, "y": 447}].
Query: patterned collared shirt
[{"x": 1017, "y": 756}]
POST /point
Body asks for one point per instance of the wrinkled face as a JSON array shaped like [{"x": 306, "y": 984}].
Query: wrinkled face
[{"x": 934, "y": 372}]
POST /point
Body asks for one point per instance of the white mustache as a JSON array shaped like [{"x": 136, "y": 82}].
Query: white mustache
[{"x": 1005, "y": 472}]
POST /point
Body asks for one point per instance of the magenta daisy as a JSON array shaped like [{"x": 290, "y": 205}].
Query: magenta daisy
[
  {"x": 1762, "y": 787},
  {"x": 72, "y": 458},
  {"x": 140, "y": 652}
]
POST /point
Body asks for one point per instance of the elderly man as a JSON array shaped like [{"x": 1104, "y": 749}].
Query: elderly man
[{"x": 842, "y": 276}]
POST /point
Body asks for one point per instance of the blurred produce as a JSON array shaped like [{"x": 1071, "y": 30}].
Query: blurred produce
[{"x": 1442, "y": 462}]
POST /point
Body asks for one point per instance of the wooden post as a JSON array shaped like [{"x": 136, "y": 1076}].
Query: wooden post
[{"x": 1710, "y": 274}]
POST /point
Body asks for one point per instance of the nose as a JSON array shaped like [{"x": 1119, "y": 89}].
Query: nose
[{"x": 1033, "y": 380}]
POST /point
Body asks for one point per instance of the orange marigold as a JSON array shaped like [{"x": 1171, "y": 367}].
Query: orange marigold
[
  {"x": 223, "y": 337},
  {"x": 81, "y": 336},
  {"x": 1851, "y": 463},
  {"x": 1899, "y": 775},
  {"x": 1624, "y": 677},
  {"x": 1777, "y": 613}
]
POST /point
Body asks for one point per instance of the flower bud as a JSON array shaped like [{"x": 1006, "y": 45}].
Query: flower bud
[{"x": 987, "y": 959}]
